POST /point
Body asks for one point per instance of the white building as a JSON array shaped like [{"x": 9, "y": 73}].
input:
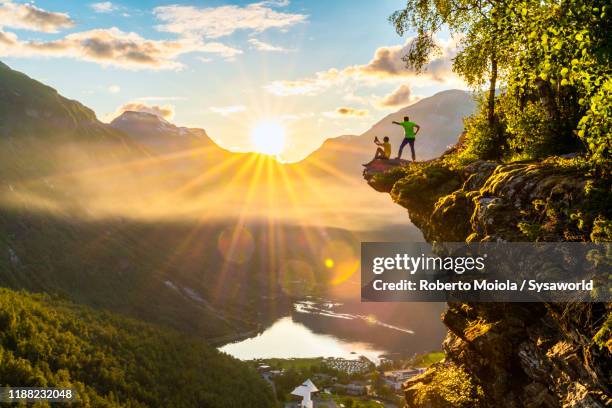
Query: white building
[{"x": 305, "y": 390}]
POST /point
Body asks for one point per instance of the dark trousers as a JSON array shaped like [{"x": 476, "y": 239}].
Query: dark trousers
[{"x": 404, "y": 143}]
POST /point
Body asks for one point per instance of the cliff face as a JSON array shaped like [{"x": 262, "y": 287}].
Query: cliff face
[{"x": 510, "y": 355}]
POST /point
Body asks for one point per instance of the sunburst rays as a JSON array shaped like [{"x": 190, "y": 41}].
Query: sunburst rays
[{"x": 252, "y": 187}]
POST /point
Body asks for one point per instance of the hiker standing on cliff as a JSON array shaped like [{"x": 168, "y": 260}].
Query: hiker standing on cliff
[{"x": 409, "y": 136}]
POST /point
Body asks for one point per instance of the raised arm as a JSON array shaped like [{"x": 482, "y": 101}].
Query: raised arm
[{"x": 396, "y": 123}]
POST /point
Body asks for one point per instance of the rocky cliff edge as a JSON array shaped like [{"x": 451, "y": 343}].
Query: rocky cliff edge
[{"x": 510, "y": 355}]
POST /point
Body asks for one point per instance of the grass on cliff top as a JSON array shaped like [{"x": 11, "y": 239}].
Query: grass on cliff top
[
  {"x": 589, "y": 218},
  {"x": 422, "y": 184}
]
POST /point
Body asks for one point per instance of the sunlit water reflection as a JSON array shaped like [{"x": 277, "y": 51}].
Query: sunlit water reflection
[
  {"x": 329, "y": 329},
  {"x": 289, "y": 339}
]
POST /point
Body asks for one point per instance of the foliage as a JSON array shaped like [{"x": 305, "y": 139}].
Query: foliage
[
  {"x": 287, "y": 381},
  {"x": 354, "y": 402},
  {"x": 595, "y": 127},
  {"x": 451, "y": 386},
  {"x": 472, "y": 20},
  {"x": 528, "y": 131},
  {"x": 425, "y": 183},
  {"x": 602, "y": 230},
  {"x": 480, "y": 57},
  {"x": 561, "y": 55},
  {"x": 477, "y": 328},
  {"x": 113, "y": 361},
  {"x": 603, "y": 337},
  {"x": 483, "y": 140},
  {"x": 532, "y": 230},
  {"x": 553, "y": 59},
  {"x": 385, "y": 181},
  {"x": 314, "y": 363}
]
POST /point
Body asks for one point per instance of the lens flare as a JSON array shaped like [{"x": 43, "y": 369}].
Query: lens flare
[
  {"x": 236, "y": 244},
  {"x": 341, "y": 261},
  {"x": 297, "y": 278}
]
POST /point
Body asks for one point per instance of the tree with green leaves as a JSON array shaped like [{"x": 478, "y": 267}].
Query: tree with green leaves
[
  {"x": 561, "y": 56},
  {"x": 472, "y": 22},
  {"x": 552, "y": 57}
]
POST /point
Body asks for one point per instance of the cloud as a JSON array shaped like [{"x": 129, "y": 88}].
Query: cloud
[
  {"x": 7, "y": 38},
  {"x": 387, "y": 62},
  {"x": 163, "y": 111},
  {"x": 306, "y": 86},
  {"x": 114, "y": 89},
  {"x": 223, "y": 50},
  {"x": 103, "y": 7},
  {"x": 161, "y": 98},
  {"x": 344, "y": 112},
  {"x": 116, "y": 48},
  {"x": 299, "y": 87},
  {"x": 400, "y": 97},
  {"x": 351, "y": 97},
  {"x": 29, "y": 17},
  {"x": 264, "y": 46},
  {"x": 215, "y": 22},
  {"x": 228, "y": 110},
  {"x": 386, "y": 65},
  {"x": 275, "y": 3},
  {"x": 108, "y": 47}
]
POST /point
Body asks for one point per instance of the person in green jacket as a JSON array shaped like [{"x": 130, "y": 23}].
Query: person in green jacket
[{"x": 409, "y": 136}]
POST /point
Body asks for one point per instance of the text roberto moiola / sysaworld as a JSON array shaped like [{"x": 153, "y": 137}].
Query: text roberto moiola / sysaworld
[{"x": 459, "y": 265}]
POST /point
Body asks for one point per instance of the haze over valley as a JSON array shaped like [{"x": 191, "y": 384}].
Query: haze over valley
[{"x": 120, "y": 212}]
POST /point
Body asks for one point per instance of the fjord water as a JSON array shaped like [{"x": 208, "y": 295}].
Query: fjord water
[
  {"x": 341, "y": 325},
  {"x": 317, "y": 328}
]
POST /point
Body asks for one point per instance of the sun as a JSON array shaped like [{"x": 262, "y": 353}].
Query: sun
[{"x": 268, "y": 137}]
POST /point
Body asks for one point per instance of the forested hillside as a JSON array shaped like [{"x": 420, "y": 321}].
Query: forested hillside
[{"x": 116, "y": 362}]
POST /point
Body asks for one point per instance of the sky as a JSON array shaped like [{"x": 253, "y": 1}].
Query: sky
[{"x": 315, "y": 69}]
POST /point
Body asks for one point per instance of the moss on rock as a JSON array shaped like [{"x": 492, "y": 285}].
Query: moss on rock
[
  {"x": 511, "y": 355},
  {"x": 445, "y": 385}
]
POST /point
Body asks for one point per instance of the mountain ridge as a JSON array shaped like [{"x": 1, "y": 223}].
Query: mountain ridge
[
  {"x": 440, "y": 117},
  {"x": 41, "y": 107},
  {"x": 73, "y": 119},
  {"x": 160, "y": 135}
]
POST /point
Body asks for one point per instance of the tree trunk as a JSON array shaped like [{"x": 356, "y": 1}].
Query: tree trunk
[
  {"x": 492, "y": 86},
  {"x": 547, "y": 98},
  {"x": 497, "y": 146}
]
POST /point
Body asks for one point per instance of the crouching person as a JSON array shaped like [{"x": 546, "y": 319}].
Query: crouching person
[{"x": 383, "y": 152}]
